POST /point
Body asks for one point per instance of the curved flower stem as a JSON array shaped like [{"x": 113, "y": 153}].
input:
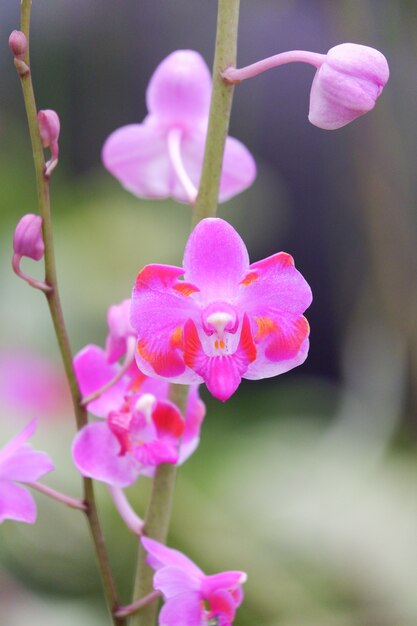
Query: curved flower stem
[
  {"x": 52, "y": 296},
  {"x": 156, "y": 521},
  {"x": 130, "y": 609},
  {"x": 57, "y": 495},
  {"x": 234, "y": 75},
  {"x": 128, "y": 360},
  {"x": 128, "y": 515},
  {"x": 37, "y": 284},
  {"x": 174, "y": 151},
  {"x": 220, "y": 107}
]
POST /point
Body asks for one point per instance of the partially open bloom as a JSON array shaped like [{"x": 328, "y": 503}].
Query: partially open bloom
[
  {"x": 347, "y": 85},
  {"x": 163, "y": 156},
  {"x": 217, "y": 318},
  {"x": 19, "y": 463},
  {"x": 142, "y": 428},
  {"x": 348, "y": 81},
  {"x": 120, "y": 329},
  {"x": 191, "y": 597}
]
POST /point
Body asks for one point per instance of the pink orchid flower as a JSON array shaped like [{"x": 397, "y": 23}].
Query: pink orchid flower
[
  {"x": 120, "y": 329},
  {"x": 19, "y": 463},
  {"x": 163, "y": 156},
  {"x": 142, "y": 428},
  {"x": 217, "y": 318},
  {"x": 191, "y": 597}
]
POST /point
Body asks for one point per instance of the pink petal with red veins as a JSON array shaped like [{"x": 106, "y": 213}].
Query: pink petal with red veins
[
  {"x": 273, "y": 287},
  {"x": 172, "y": 581},
  {"x": 137, "y": 156},
  {"x": 96, "y": 453},
  {"x": 179, "y": 90},
  {"x": 168, "y": 420},
  {"x": 158, "y": 313},
  {"x": 25, "y": 465},
  {"x": 93, "y": 371},
  {"x": 263, "y": 367},
  {"x": 222, "y": 374},
  {"x": 222, "y": 606},
  {"x": 183, "y": 610},
  {"x": 16, "y": 503},
  {"x": 155, "y": 452},
  {"x": 215, "y": 259},
  {"x": 161, "y": 556}
]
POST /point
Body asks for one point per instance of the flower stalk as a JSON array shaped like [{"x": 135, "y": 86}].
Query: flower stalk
[
  {"x": 54, "y": 303},
  {"x": 220, "y": 108}
]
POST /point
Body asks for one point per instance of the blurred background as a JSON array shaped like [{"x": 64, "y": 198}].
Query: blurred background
[{"x": 307, "y": 481}]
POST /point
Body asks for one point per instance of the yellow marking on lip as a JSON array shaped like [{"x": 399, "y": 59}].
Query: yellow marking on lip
[{"x": 249, "y": 279}]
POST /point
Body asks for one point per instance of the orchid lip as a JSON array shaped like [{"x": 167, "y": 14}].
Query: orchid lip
[{"x": 219, "y": 320}]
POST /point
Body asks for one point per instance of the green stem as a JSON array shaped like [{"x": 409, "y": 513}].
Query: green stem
[
  {"x": 156, "y": 522},
  {"x": 220, "y": 107},
  {"x": 160, "y": 503},
  {"x": 42, "y": 185}
]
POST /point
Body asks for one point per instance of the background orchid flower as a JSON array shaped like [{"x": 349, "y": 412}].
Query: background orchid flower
[
  {"x": 217, "y": 318},
  {"x": 163, "y": 156},
  {"x": 191, "y": 597},
  {"x": 19, "y": 463},
  {"x": 142, "y": 428}
]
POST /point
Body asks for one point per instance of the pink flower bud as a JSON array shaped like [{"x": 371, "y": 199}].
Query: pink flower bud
[
  {"x": 27, "y": 240},
  {"x": 346, "y": 85},
  {"x": 18, "y": 44},
  {"x": 49, "y": 127}
]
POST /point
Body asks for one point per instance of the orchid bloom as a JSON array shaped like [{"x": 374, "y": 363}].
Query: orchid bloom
[
  {"x": 19, "y": 463},
  {"x": 163, "y": 156},
  {"x": 142, "y": 428},
  {"x": 191, "y": 597},
  {"x": 217, "y": 318}
]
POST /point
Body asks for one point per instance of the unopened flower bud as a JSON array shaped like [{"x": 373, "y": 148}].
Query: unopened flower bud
[
  {"x": 49, "y": 127},
  {"x": 27, "y": 240},
  {"x": 18, "y": 44},
  {"x": 346, "y": 85}
]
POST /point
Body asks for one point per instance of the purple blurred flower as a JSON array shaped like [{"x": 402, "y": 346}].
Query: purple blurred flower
[
  {"x": 163, "y": 156},
  {"x": 19, "y": 463}
]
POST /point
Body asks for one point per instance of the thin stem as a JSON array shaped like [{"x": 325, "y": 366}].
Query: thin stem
[
  {"x": 129, "y": 358},
  {"x": 42, "y": 184},
  {"x": 220, "y": 107},
  {"x": 57, "y": 495},
  {"x": 130, "y": 609},
  {"x": 234, "y": 75},
  {"x": 174, "y": 151},
  {"x": 128, "y": 515},
  {"x": 37, "y": 284},
  {"x": 156, "y": 521}
]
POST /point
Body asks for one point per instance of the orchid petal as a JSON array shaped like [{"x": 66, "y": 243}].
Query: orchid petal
[
  {"x": 16, "y": 503},
  {"x": 215, "y": 259},
  {"x": 155, "y": 452},
  {"x": 160, "y": 555},
  {"x": 137, "y": 156},
  {"x": 225, "y": 580},
  {"x": 168, "y": 420},
  {"x": 93, "y": 371},
  {"x": 25, "y": 465},
  {"x": 179, "y": 90},
  {"x": 182, "y": 610},
  {"x": 96, "y": 453},
  {"x": 222, "y": 606},
  {"x": 159, "y": 310},
  {"x": 172, "y": 581}
]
